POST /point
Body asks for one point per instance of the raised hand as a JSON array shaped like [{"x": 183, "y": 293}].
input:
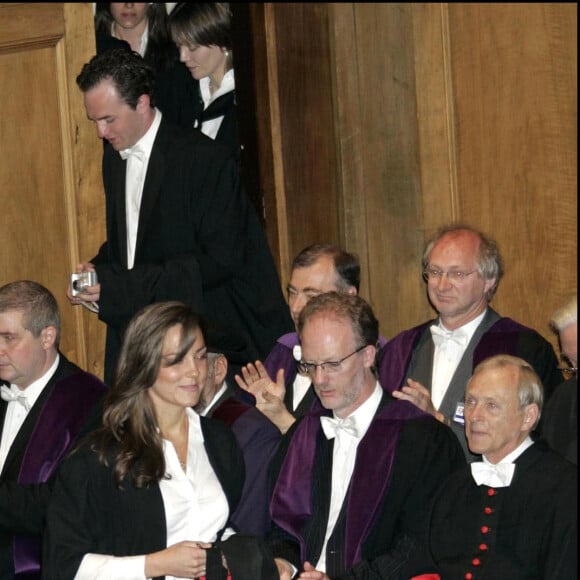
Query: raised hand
[
  {"x": 269, "y": 394},
  {"x": 256, "y": 381}
]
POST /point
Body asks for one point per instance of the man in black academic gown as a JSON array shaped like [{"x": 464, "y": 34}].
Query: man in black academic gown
[
  {"x": 47, "y": 404},
  {"x": 179, "y": 226},
  {"x": 355, "y": 476},
  {"x": 514, "y": 514}
]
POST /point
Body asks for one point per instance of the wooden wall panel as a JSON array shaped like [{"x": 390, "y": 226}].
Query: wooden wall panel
[
  {"x": 83, "y": 150},
  {"x": 442, "y": 112},
  {"x": 306, "y": 124},
  {"x": 45, "y": 163},
  {"x": 378, "y": 141},
  {"x": 514, "y": 69}
]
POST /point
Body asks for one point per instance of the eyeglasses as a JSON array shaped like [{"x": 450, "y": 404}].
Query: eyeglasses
[
  {"x": 329, "y": 367},
  {"x": 569, "y": 371},
  {"x": 432, "y": 275}
]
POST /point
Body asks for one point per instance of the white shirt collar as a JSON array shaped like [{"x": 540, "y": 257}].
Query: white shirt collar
[
  {"x": 145, "y": 144},
  {"x": 228, "y": 84},
  {"x": 215, "y": 399},
  {"x": 467, "y": 329},
  {"x": 33, "y": 390},
  {"x": 364, "y": 414},
  {"x": 511, "y": 457}
]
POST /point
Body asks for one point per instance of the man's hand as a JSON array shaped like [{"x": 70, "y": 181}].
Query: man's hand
[
  {"x": 256, "y": 380},
  {"x": 416, "y": 393},
  {"x": 90, "y": 293},
  {"x": 269, "y": 394}
]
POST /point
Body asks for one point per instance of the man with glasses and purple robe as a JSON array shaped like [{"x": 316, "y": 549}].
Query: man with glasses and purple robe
[
  {"x": 353, "y": 479},
  {"x": 430, "y": 364}
]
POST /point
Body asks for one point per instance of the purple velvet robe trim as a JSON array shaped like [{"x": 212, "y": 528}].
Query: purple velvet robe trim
[
  {"x": 394, "y": 360},
  {"x": 51, "y": 440},
  {"x": 291, "y": 507},
  {"x": 281, "y": 357},
  {"x": 502, "y": 337}
]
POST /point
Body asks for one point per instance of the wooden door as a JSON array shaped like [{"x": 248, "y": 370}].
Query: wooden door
[{"x": 50, "y": 182}]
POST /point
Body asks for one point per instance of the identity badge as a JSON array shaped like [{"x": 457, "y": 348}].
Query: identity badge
[{"x": 458, "y": 415}]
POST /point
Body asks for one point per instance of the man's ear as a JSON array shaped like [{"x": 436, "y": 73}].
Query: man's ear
[
  {"x": 369, "y": 353},
  {"x": 220, "y": 369},
  {"x": 531, "y": 416},
  {"x": 48, "y": 337},
  {"x": 143, "y": 103},
  {"x": 489, "y": 284},
  {"x": 351, "y": 291}
]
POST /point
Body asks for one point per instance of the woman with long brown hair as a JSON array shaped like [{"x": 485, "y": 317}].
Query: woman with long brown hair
[{"x": 151, "y": 491}]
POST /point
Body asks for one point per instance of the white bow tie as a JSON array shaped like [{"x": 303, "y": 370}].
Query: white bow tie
[
  {"x": 499, "y": 475},
  {"x": 13, "y": 393},
  {"x": 440, "y": 336},
  {"x": 134, "y": 151},
  {"x": 331, "y": 426}
]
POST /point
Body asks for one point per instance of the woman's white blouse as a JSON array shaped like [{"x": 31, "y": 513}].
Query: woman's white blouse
[
  {"x": 196, "y": 509},
  {"x": 212, "y": 126}
]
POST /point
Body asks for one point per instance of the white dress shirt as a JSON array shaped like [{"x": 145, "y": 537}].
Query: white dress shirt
[
  {"x": 134, "y": 182},
  {"x": 196, "y": 508},
  {"x": 447, "y": 356},
  {"x": 300, "y": 388},
  {"x": 343, "y": 460},
  {"x": 16, "y": 413},
  {"x": 498, "y": 474},
  {"x": 212, "y": 126}
]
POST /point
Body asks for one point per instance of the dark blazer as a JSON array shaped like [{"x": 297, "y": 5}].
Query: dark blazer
[
  {"x": 199, "y": 241},
  {"x": 410, "y": 355},
  {"x": 258, "y": 439},
  {"x": 68, "y": 407},
  {"x": 560, "y": 420},
  {"x": 398, "y": 475},
  {"x": 89, "y": 514},
  {"x": 527, "y": 531}
]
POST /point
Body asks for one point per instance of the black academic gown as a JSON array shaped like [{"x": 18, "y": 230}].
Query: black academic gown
[
  {"x": 560, "y": 420},
  {"x": 67, "y": 408},
  {"x": 199, "y": 241},
  {"x": 410, "y": 355},
  {"x": 527, "y": 531},
  {"x": 89, "y": 514},
  {"x": 401, "y": 462}
]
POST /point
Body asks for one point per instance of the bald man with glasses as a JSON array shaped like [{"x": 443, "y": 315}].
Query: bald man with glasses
[{"x": 430, "y": 364}]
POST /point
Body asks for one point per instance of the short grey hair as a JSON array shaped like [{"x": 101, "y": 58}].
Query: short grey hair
[
  {"x": 530, "y": 388},
  {"x": 565, "y": 315},
  {"x": 489, "y": 260}
]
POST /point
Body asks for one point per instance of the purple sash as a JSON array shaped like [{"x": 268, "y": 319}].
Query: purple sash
[
  {"x": 61, "y": 420},
  {"x": 290, "y": 506}
]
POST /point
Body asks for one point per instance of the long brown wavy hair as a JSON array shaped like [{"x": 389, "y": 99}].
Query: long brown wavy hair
[{"x": 129, "y": 438}]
